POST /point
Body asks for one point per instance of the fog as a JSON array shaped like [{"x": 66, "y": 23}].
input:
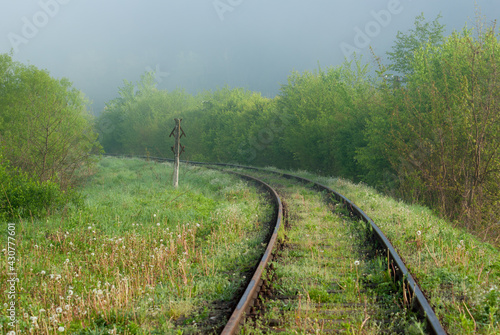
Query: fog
[{"x": 206, "y": 44}]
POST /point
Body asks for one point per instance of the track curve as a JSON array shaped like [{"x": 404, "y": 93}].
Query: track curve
[{"x": 251, "y": 292}]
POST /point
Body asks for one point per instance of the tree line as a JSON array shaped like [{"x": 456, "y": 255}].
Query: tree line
[{"x": 424, "y": 127}]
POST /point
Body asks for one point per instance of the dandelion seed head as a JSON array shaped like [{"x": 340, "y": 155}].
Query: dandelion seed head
[
  {"x": 59, "y": 310},
  {"x": 419, "y": 232},
  {"x": 356, "y": 263}
]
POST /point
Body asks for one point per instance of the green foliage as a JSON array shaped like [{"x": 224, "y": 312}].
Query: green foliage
[
  {"x": 446, "y": 129},
  {"x": 141, "y": 118},
  {"x": 327, "y": 112},
  {"x": 433, "y": 139},
  {"x": 425, "y": 34},
  {"x": 45, "y": 129},
  {"x": 22, "y": 196}
]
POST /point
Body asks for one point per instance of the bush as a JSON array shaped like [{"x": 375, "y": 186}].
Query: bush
[{"x": 23, "y": 196}]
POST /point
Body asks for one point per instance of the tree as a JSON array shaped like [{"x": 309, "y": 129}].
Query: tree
[
  {"x": 423, "y": 35},
  {"x": 447, "y": 127},
  {"x": 46, "y": 130},
  {"x": 327, "y": 111}
]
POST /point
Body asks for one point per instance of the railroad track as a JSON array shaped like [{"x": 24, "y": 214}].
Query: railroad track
[{"x": 323, "y": 272}]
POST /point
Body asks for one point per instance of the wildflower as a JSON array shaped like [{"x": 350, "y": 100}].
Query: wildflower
[
  {"x": 66, "y": 261},
  {"x": 36, "y": 246},
  {"x": 419, "y": 232},
  {"x": 59, "y": 310},
  {"x": 154, "y": 215},
  {"x": 42, "y": 272},
  {"x": 92, "y": 254},
  {"x": 42, "y": 310},
  {"x": 70, "y": 292},
  {"x": 33, "y": 319},
  {"x": 90, "y": 227},
  {"x": 356, "y": 263},
  {"x": 158, "y": 224},
  {"x": 67, "y": 307},
  {"x": 60, "y": 329},
  {"x": 197, "y": 225}
]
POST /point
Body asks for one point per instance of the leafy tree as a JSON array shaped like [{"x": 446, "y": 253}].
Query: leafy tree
[
  {"x": 447, "y": 128},
  {"x": 407, "y": 44},
  {"x": 327, "y": 112},
  {"x": 138, "y": 121},
  {"x": 45, "y": 130}
]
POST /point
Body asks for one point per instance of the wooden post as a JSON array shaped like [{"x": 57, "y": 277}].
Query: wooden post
[{"x": 177, "y": 147}]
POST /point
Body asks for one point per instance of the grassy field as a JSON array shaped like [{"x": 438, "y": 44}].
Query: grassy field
[{"x": 140, "y": 256}]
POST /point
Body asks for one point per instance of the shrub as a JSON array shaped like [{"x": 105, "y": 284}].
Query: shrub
[{"x": 23, "y": 196}]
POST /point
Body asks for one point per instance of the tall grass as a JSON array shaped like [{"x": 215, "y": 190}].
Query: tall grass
[{"x": 140, "y": 256}]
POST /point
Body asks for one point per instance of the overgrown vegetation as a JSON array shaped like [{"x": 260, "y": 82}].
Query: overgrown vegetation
[
  {"x": 428, "y": 135},
  {"x": 458, "y": 273},
  {"x": 23, "y": 196},
  {"x": 46, "y": 136},
  {"x": 326, "y": 277},
  {"x": 139, "y": 257}
]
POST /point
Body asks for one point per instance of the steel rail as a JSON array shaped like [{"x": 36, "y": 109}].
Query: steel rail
[
  {"x": 252, "y": 291},
  {"x": 420, "y": 301},
  {"x": 253, "y": 288}
]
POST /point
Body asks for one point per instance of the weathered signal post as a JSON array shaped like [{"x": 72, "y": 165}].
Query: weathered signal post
[{"x": 177, "y": 149}]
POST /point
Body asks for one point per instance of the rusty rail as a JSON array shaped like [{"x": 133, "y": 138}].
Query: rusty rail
[{"x": 251, "y": 293}]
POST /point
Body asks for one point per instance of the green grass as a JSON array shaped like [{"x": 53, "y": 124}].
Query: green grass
[
  {"x": 326, "y": 277},
  {"x": 459, "y": 273},
  {"x": 140, "y": 257}
]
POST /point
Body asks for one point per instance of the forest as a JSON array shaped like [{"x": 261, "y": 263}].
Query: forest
[{"x": 422, "y": 126}]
